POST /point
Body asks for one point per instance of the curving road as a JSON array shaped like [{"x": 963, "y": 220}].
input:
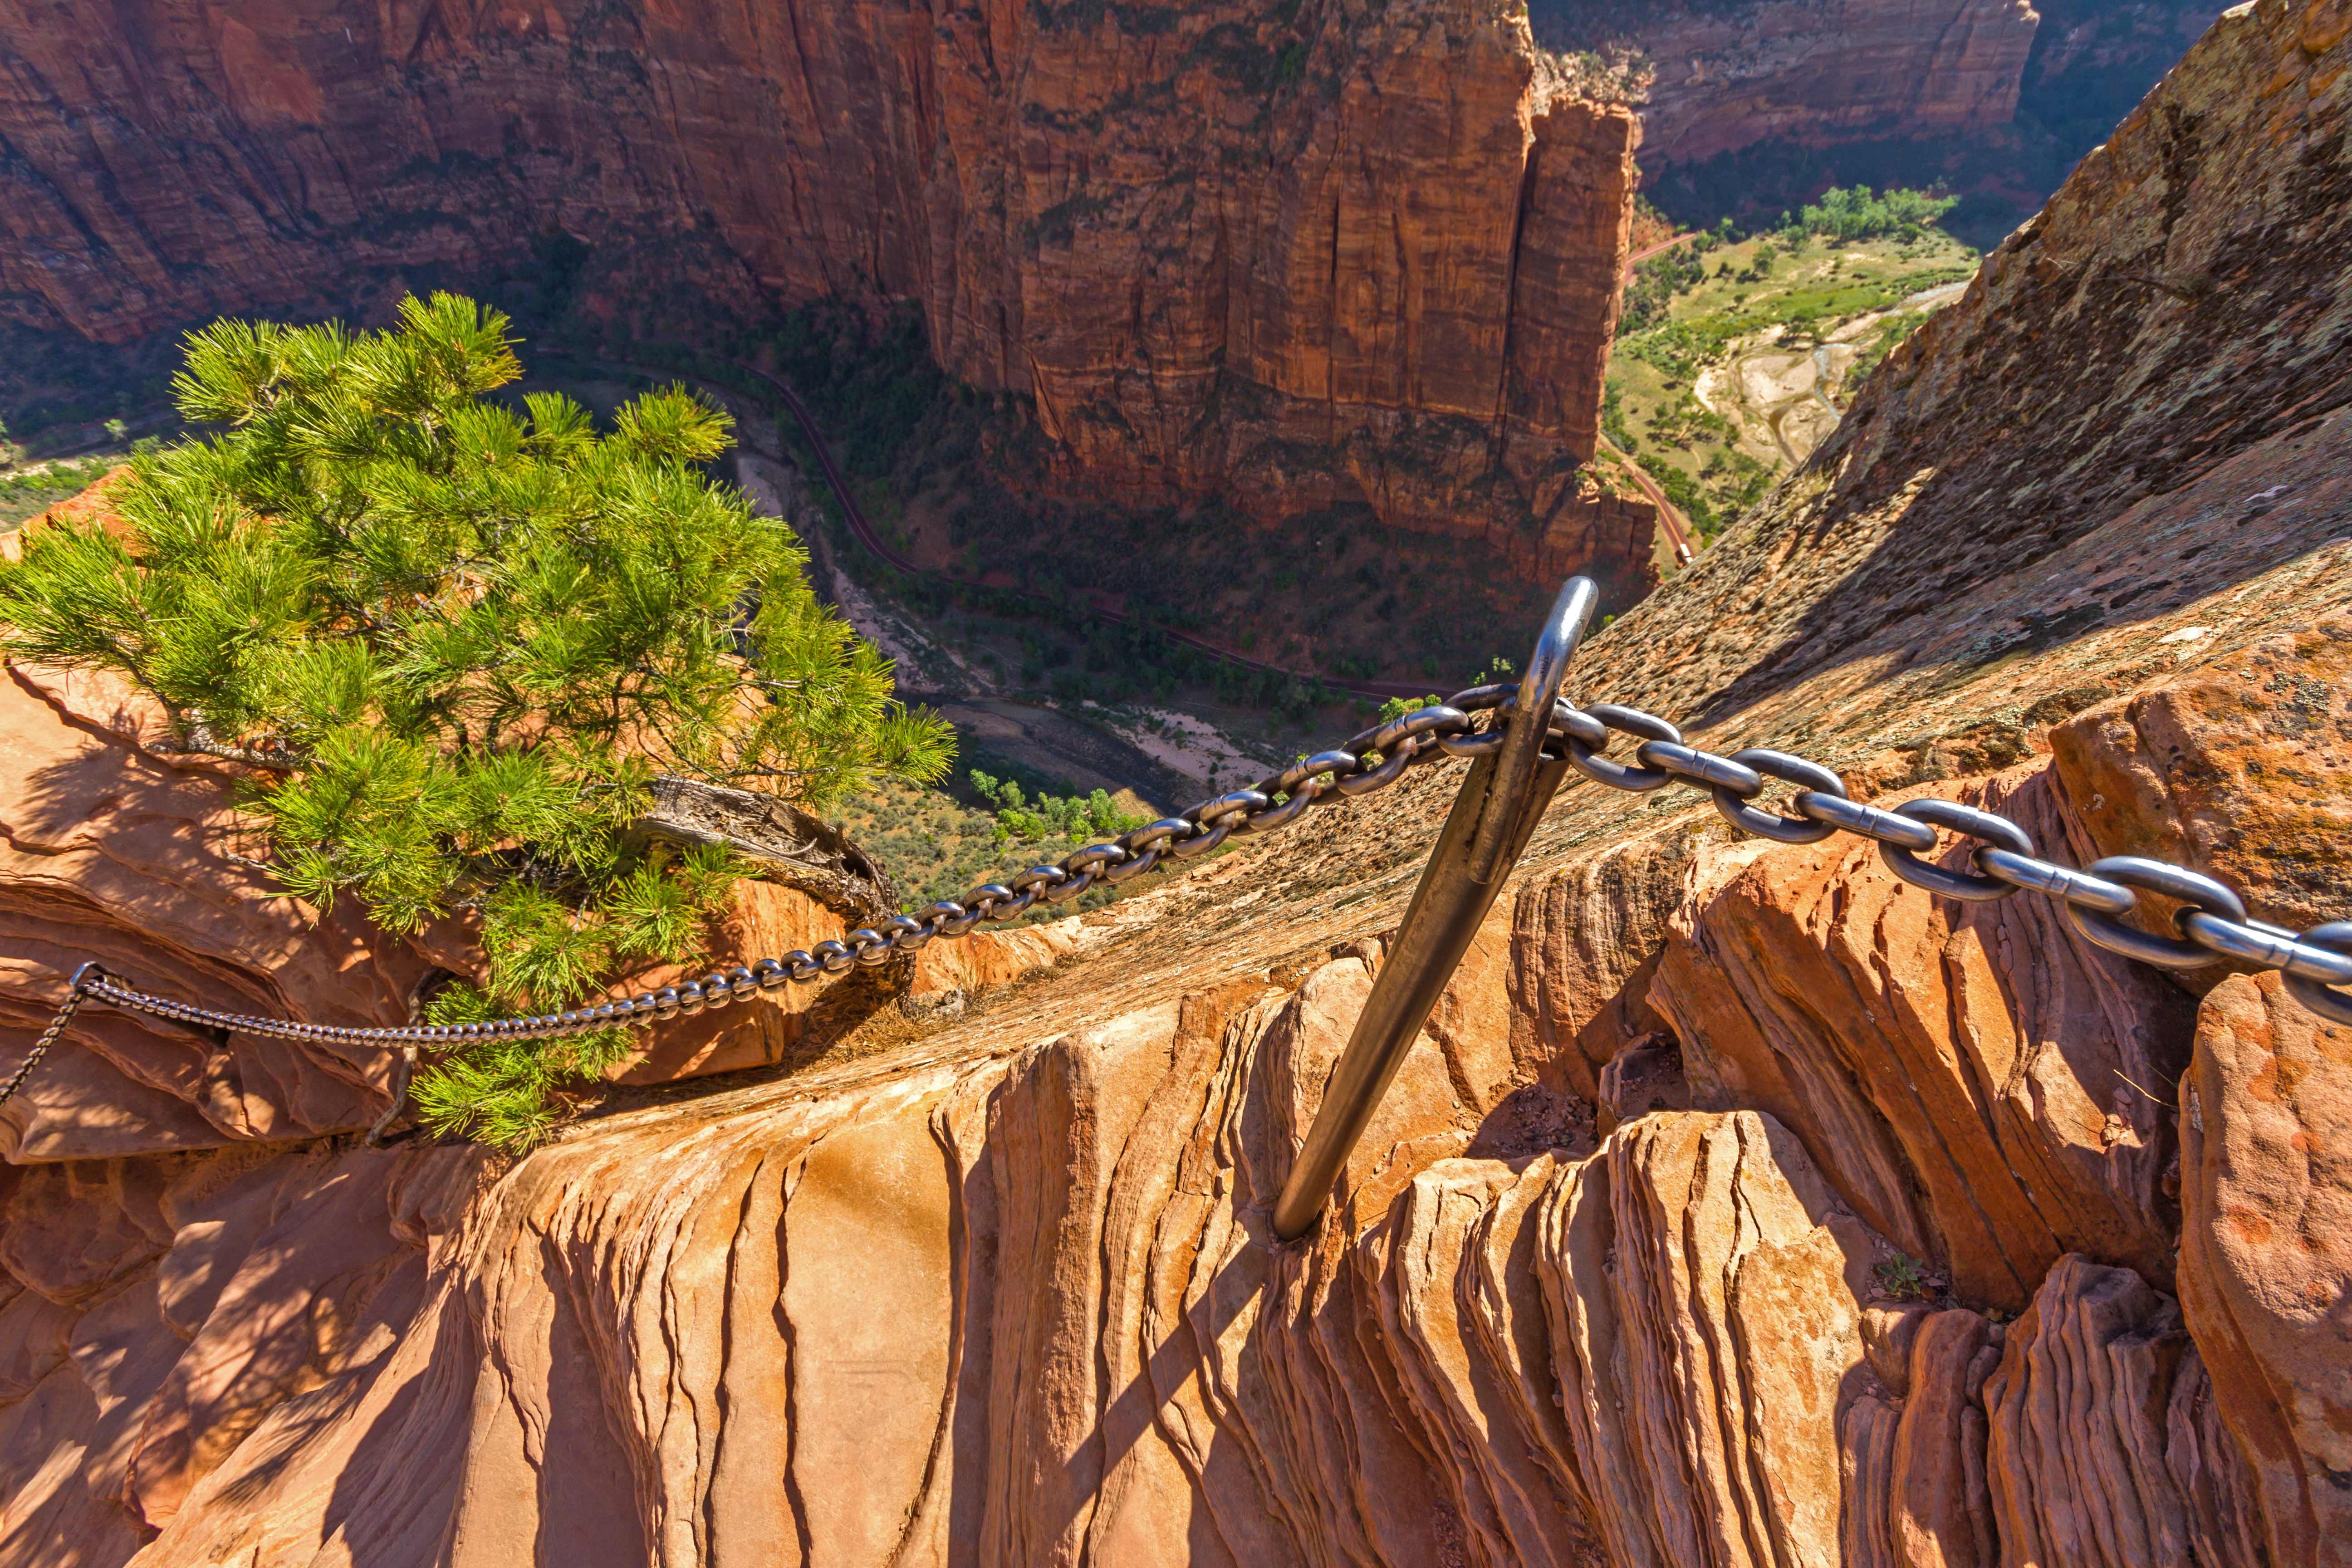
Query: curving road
[
  {"x": 864, "y": 531},
  {"x": 1678, "y": 530},
  {"x": 1679, "y": 533},
  {"x": 1639, "y": 257}
]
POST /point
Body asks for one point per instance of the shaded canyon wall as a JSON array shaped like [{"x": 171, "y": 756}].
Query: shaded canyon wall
[
  {"x": 1333, "y": 252},
  {"x": 1729, "y": 74}
]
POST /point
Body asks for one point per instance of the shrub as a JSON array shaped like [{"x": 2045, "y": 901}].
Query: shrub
[
  {"x": 1856, "y": 213},
  {"x": 1078, "y": 819},
  {"x": 459, "y": 643},
  {"x": 1904, "y": 1277},
  {"x": 1398, "y": 707}
]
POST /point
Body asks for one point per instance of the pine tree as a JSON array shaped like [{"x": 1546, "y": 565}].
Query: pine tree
[{"x": 460, "y": 641}]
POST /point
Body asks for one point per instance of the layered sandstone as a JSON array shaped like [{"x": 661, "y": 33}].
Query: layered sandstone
[
  {"x": 1742, "y": 1204},
  {"x": 1338, "y": 252},
  {"x": 118, "y": 849},
  {"x": 2266, "y": 1110},
  {"x": 1723, "y": 77}
]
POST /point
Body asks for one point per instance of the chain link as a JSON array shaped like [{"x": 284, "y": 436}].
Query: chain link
[
  {"x": 81, "y": 980},
  {"x": 2211, "y": 925},
  {"x": 1367, "y": 763}
]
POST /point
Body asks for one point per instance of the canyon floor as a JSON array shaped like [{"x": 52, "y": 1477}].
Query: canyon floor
[
  {"x": 1741, "y": 1203},
  {"x": 1750, "y": 365}
]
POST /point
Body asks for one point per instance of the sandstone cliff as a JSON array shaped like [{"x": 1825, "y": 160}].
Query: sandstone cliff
[
  {"x": 1343, "y": 250},
  {"x": 1811, "y": 70},
  {"x": 1741, "y": 1205}
]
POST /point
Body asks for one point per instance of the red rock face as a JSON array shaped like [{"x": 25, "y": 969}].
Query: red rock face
[
  {"x": 115, "y": 852},
  {"x": 117, "y": 848},
  {"x": 1002, "y": 1292},
  {"x": 1368, "y": 254},
  {"x": 1811, "y": 69},
  {"x": 2266, "y": 1251}
]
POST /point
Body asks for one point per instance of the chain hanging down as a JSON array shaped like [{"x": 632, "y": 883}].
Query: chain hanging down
[
  {"x": 49, "y": 1035},
  {"x": 1368, "y": 761},
  {"x": 2211, "y": 926}
]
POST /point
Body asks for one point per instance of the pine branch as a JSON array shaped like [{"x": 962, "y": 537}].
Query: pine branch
[{"x": 197, "y": 739}]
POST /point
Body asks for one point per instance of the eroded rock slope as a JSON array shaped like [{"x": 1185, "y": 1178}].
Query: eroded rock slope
[{"x": 1741, "y": 1205}]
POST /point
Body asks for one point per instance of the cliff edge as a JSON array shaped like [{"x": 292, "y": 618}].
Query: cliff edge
[{"x": 1741, "y": 1204}]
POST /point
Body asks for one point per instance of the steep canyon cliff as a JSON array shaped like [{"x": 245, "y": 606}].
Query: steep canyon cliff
[
  {"x": 1338, "y": 251},
  {"x": 1753, "y": 107},
  {"x": 1741, "y": 1204},
  {"x": 1726, "y": 75}
]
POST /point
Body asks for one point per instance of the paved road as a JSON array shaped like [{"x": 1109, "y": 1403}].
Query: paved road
[
  {"x": 864, "y": 533},
  {"x": 1641, "y": 255}
]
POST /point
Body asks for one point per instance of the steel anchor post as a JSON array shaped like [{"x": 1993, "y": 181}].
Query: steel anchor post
[{"x": 1500, "y": 802}]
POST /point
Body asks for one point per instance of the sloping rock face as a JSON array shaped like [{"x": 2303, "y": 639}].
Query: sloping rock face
[
  {"x": 118, "y": 854},
  {"x": 2160, "y": 342},
  {"x": 2267, "y": 1252},
  {"x": 1807, "y": 70},
  {"x": 1741, "y": 1205},
  {"x": 1343, "y": 251},
  {"x": 120, "y": 849}
]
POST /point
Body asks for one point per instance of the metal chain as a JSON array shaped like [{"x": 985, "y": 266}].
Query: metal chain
[
  {"x": 1369, "y": 761},
  {"x": 2212, "y": 923},
  {"x": 82, "y": 980}
]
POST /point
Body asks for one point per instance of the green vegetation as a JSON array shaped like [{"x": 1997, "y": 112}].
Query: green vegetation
[
  {"x": 1904, "y": 1277},
  {"x": 1398, "y": 707},
  {"x": 1728, "y": 484},
  {"x": 1072, "y": 818},
  {"x": 1650, "y": 295},
  {"x": 2071, "y": 99},
  {"x": 31, "y": 492},
  {"x": 940, "y": 840},
  {"x": 1700, "y": 316},
  {"x": 1846, "y": 216},
  {"x": 1892, "y": 327},
  {"x": 460, "y": 642}
]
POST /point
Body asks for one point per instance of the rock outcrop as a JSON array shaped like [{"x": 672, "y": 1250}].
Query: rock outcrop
[
  {"x": 2266, "y": 1249},
  {"x": 1742, "y": 1204},
  {"x": 2156, "y": 354},
  {"x": 118, "y": 849},
  {"x": 1339, "y": 252},
  {"x": 1967, "y": 1070}
]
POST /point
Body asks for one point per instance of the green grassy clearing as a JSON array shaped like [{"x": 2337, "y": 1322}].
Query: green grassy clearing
[{"x": 1698, "y": 306}]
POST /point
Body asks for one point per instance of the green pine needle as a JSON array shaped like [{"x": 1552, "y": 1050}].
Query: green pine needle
[{"x": 469, "y": 638}]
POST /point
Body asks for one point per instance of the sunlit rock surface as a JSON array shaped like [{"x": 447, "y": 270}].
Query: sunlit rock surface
[{"x": 1742, "y": 1204}]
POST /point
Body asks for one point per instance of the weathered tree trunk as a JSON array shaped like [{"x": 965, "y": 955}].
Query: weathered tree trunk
[{"x": 785, "y": 842}]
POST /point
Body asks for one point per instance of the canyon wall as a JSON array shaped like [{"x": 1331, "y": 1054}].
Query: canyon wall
[
  {"x": 1336, "y": 251},
  {"x": 1741, "y": 1204},
  {"x": 1726, "y": 75}
]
